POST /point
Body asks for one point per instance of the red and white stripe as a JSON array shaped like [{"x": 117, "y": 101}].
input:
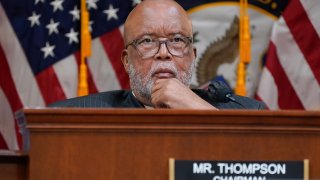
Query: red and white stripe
[
  {"x": 291, "y": 78},
  {"x": 20, "y": 88}
]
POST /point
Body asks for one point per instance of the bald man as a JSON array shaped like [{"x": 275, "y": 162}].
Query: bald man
[{"x": 159, "y": 58}]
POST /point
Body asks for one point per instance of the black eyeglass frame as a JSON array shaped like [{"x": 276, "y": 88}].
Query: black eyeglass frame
[{"x": 135, "y": 41}]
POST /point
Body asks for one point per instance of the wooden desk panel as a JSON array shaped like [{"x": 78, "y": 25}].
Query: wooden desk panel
[
  {"x": 136, "y": 144},
  {"x": 13, "y": 165}
]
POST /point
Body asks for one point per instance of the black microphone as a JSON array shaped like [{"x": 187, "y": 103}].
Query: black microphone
[{"x": 220, "y": 92}]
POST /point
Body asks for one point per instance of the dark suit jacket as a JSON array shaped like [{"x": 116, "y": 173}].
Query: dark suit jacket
[{"x": 125, "y": 99}]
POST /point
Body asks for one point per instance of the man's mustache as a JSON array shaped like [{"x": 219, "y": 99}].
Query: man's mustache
[{"x": 163, "y": 66}]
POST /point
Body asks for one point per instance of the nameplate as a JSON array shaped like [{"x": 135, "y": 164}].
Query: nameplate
[{"x": 238, "y": 170}]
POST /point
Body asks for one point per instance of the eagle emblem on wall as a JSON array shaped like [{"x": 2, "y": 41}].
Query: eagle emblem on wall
[{"x": 221, "y": 51}]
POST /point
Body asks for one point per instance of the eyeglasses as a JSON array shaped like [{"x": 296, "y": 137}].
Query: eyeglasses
[{"x": 148, "y": 47}]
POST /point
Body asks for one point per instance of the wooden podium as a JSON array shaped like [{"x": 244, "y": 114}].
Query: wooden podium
[{"x": 136, "y": 144}]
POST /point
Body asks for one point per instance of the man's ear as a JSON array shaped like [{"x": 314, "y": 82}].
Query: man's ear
[
  {"x": 195, "y": 52},
  {"x": 124, "y": 59}
]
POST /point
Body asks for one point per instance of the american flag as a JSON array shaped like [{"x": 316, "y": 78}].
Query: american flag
[
  {"x": 291, "y": 77},
  {"x": 39, "y": 54}
]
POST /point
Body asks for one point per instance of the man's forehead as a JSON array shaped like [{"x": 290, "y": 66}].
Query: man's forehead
[
  {"x": 163, "y": 18},
  {"x": 161, "y": 30}
]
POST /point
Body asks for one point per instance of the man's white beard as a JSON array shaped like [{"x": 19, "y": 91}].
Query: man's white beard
[{"x": 142, "y": 84}]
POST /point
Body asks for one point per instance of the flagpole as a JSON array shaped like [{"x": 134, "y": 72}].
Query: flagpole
[
  {"x": 244, "y": 48},
  {"x": 85, "y": 49}
]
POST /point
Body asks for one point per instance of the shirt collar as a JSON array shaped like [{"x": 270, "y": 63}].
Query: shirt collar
[{"x": 145, "y": 106}]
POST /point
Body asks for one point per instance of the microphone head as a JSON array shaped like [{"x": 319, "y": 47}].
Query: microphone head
[{"x": 220, "y": 91}]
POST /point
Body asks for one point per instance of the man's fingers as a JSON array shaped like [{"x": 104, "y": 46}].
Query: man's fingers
[
  {"x": 164, "y": 91},
  {"x": 159, "y": 84}
]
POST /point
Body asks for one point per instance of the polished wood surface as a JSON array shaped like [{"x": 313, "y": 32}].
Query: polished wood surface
[
  {"x": 13, "y": 165},
  {"x": 136, "y": 144}
]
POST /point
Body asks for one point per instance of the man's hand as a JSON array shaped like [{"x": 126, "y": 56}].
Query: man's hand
[{"x": 171, "y": 93}]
